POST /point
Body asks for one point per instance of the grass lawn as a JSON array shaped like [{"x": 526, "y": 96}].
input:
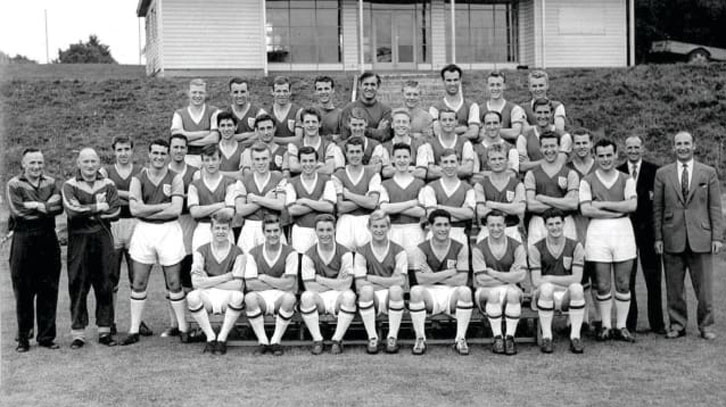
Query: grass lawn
[{"x": 653, "y": 371}]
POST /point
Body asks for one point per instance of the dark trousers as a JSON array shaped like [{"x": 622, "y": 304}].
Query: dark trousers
[
  {"x": 700, "y": 266},
  {"x": 90, "y": 264},
  {"x": 652, "y": 272},
  {"x": 35, "y": 270}
]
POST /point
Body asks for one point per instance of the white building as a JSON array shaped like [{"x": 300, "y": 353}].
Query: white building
[{"x": 195, "y": 37}]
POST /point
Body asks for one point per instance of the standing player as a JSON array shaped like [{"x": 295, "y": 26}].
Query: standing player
[
  {"x": 528, "y": 143},
  {"x": 91, "y": 202},
  {"x": 374, "y": 155},
  {"x": 286, "y": 114},
  {"x": 380, "y": 274},
  {"x": 500, "y": 190},
  {"x": 550, "y": 185},
  {"x": 452, "y": 195},
  {"x": 327, "y": 272},
  {"x": 217, "y": 274},
  {"x": 401, "y": 134},
  {"x": 265, "y": 130},
  {"x": 230, "y": 149},
  {"x": 34, "y": 200},
  {"x": 376, "y": 114},
  {"x": 441, "y": 265},
  {"x": 122, "y": 229},
  {"x": 244, "y": 111},
  {"x": 260, "y": 192},
  {"x": 556, "y": 263},
  {"x": 401, "y": 200},
  {"x": 512, "y": 116},
  {"x": 467, "y": 112},
  {"x": 358, "y": 189},
  {"x": 308, "y": 196},
  {"x": 329, "y": 155},
  {"x": 196, "y": 122},
  {"x": 538, "y": 87},
  {"x": 492, "y": 124},
  {"x": 447, "y": 139},
  {"x": 271, "y": 280},
  {"x": 330, "y": 122},
  {"x": 500, "y": 264},
  {"x": 211, "y": 193},
  {"x": 421, "y": 120},
  {"x": 156, "y": 197},
  {"x": 607, "y": 196}
]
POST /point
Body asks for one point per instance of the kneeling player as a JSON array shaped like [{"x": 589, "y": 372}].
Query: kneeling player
[
  {"x": 441, "y": 265},
  {"x": 556, "y": 263},
  {"x": 500, "y": 264},
  {"x": 271, "y": 281},
  {"x": 380, "y": 273},
  {"x": 217, "y": 273},
  {"x": 327, "y": 271}
]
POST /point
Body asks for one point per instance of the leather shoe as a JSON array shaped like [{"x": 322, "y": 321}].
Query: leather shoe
[
  {"x": 23, "y": 345},
  {"x": 708, "y": 335},
  {"x": 107, "y": 339},
  {"x": 49, "y": 345},
  {"x": 77, "y": 344},
  {"x": 675, "y": 333},
  {"x": 130, "y": 339},
  {"x": 624, "y": 335}
]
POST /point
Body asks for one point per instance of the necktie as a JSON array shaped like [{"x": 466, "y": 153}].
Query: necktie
[
  {"x": 684, "y": 180},
  {"x": 635, "y": 172}
]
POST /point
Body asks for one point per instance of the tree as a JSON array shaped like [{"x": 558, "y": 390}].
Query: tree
[{"x": 91, "y": 52}]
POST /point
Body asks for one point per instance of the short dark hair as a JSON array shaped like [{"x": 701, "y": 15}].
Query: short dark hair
[
  {"x": 121, "y": 140},
  {"x": 160, "y": 142},
  {"x": 307, "y": 150},
  {"x": 311, "y": 111},
  {"x": 494, "y": 112},
  {"x": 497, "y": 74},
  {"x": 264, "y": 118},
  {"x": 449, "y": 152},
  {"x": 270, "y": 219},
  {"x": 451, "y": 68},
  {"x": 238, "y": 81},
  {"x": 493, "y": 212},
  {"x": 222, "y": 217},
  {"x": 210, "y": 150},
  {"x": 581, "y": 131},
  {"x": 281, "y": 80},
  {"x": 30, "y": 150},
  {"x": 369, "y": 74},
  {"x": 553, "y": 213},
  {"x": 401, "y": 146},
  {"x": 605, "y": 143},
  {"x": 354, "y": 141},
  {"x": 259, "y": 147},
  {"x": 541, "y": 102},
  {"x": 439, "y": 213},
  {"x": 226, "y": 115},
  {"x": 549, "y": 134},
  {"x": 326, "y": 79},
  {"x": 324, "y": 217},
  {"x": 446, "y": 110},
  {"x": 179, "y": 136}
]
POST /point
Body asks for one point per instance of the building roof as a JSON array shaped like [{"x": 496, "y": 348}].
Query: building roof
[{"x": 142, "y": 8}]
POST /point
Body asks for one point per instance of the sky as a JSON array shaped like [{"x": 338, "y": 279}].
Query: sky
[{"x": 114, "y": 22}]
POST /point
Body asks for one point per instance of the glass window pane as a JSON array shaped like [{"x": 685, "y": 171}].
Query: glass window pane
[
  {"x": 278, "y": 18},
  {"x": 327, "y": 4},
  {"x": 302, "y": 17},
  {"x": 384, "y": 40},
  {"x": 309, "y": 4},
  {"x": 282, "y": 4},
  {"x": 327, "y": 17}
]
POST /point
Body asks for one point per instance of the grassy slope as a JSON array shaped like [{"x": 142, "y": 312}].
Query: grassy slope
[{"x": 60, "y": 115}]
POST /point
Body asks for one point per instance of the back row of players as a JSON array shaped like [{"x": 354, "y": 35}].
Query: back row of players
[{"x": 425, "y": 174}]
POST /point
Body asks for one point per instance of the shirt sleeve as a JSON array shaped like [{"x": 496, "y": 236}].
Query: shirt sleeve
[
  {"x": 429, "y": 197},
  {"x": 573, "y": 181},
  {"x": 337, "y": 154},
  {"x": 308, "y": 269},
  {"x": 470, "y": 199},
  {"x": 231, "y": 195},
  {"x": 290, "y": 195},
  {"x": 382, "y": 155},
  {"x": 517, "y": 115},
  {"x": 474, "y": 114},
  {"x": 329, "y": 192},
  {"x": 560, "y": 111},
  {"x": 176, "y": 122},
  {"x": 520, "y": 259},
  {"x": 513, "y": 160},
  {"x": 522, "y": 146},
  {"x": 434, "y": 112},
  {"x": 529, "y": 182},
  {"x": 177, "y": 186},
  {"x": 245, "y": 160},
  {"x": 630, "y": 191},
  {"x": 424, "y": 156},
  {"x": 578, "y": 256},
  {"x": 16, "y": 200},
  {"x": 534, "y": 258},
  {"x": 566, "y": 143},
  {"x": 291, "y": 263},
  {"x": 360, "y": 269},
  {"x": 478, "y": 264},
  {"x": 192, "y": 196},
  {"x": 462, "y": 259},
  {"x": 250, "y": 268},
  {"x": 374, "y": 186},
  {"x": 291, "y": 150},
  {"x": 383, "y": 198},
  {"x": 401, "y": 264},
  {"x": 585, "y": 192},
  {"x": 467, "y": 153}
]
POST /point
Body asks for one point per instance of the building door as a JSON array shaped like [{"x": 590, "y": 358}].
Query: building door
[{"x": 394, "y": 39}]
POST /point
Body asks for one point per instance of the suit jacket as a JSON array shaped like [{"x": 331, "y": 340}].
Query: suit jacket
[
  {"x": 695, "y": 218},
  {"x": 642, "y": 218}
]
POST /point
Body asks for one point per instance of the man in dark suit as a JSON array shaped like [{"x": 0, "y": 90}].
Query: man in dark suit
[
  {"x": 688, "y": 231},
  {"x": 644, "y": 174}
]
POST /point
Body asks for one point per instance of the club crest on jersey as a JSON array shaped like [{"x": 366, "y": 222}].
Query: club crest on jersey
[
  {"x": 450, "y": 264},
  {"x": 101, "y": 197},
  {"x": 567, "y": 262},
  {"x": 166, "y": 188},
  {"x": 291, "y": 124},
  {"x": 251, "y": 122},
  {"x": 510, "y": 196},
  {"x": 278, "y": 161},
  {"x": 562, "y": 182}
]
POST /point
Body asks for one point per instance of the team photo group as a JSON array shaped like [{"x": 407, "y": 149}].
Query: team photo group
[{"x": 369, "y": 211}]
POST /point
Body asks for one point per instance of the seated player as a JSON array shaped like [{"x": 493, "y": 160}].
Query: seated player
[
  {"x": 500, "y": 190},
  {"x": 327, "y": 272},
  {"x": 432, "y": 152},
  {"x": 380, "y": 274},
  {"x": 452, "y": 195},
  {"x": 230, "y": 149},
  {"x": 401, "y": 126},
  {"x": 307, "y": 196},
  {"x": 401, "y": 200},
  {"x": 212, "y": 192},
  {"x": 271, "y": 279},
  {"x": 358, "y": 189},
  {"x": 329, "y": 156},
  {"x": 556, "y": 263},
  {"x": 500, "y": 264},
  {"x": 607, "y": 196},
  {"x": 442, "y": 267},
  {"x": 217, "y": 274}
]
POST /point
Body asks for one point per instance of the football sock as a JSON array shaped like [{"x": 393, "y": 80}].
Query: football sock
[
  {"x": 463, "y": 316},
  {"x": 281, "y": 322},
  {"x": 592, "y": 307},
  {"x": 418, "y": 318},
  {"x": 577, "y": 315},
  {"x": 311, "y": 318},
  {"x": 395, "y": 313},
  {"x": 605, "y": 303},
  {"x": 511, "y": 317},
  {"x": 257, "y": 322},
  {"x": 622, "y": 306},
  {"x": 345, "y": 317},
  {"x": 368, "y": 315},
  {"x": 136, "y": 304},
  {"x": 546, "y": 311},
  {"x": 200, "y": 315},
  {"x": 230, "y": 317},
  {"x": 494, "y": 313},
  {"x": 170, "y": 310},
  {"x": 178, "y": 305}
]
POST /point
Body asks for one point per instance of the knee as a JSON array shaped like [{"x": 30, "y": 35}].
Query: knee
[
  {"x": 577, "y": 293},
  {"x": 546, "y": 291},
  {"x": 492, "y": 297},
  {"x": 514, "y": 295},
  {"x": 236, "y": 299},
  {"x": 417, "y": 293},
  {"x": 463, "y": 294},
  {"x": 252, "y": 301},
  {"x": 348, "y": 299},
  {"x": 395, "y": 293},
  {"x": 194, "y": 299},
  {"x": 366, "y": 293},
  {"x": 307, "y": 299},
  {"x": 288, "y": 302}
]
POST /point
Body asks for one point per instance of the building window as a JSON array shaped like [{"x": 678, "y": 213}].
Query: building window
[
  {"x": 303, "y": 32},
  {"x": 486, "y": 31},
  {"x": 397, "y": 32}
]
